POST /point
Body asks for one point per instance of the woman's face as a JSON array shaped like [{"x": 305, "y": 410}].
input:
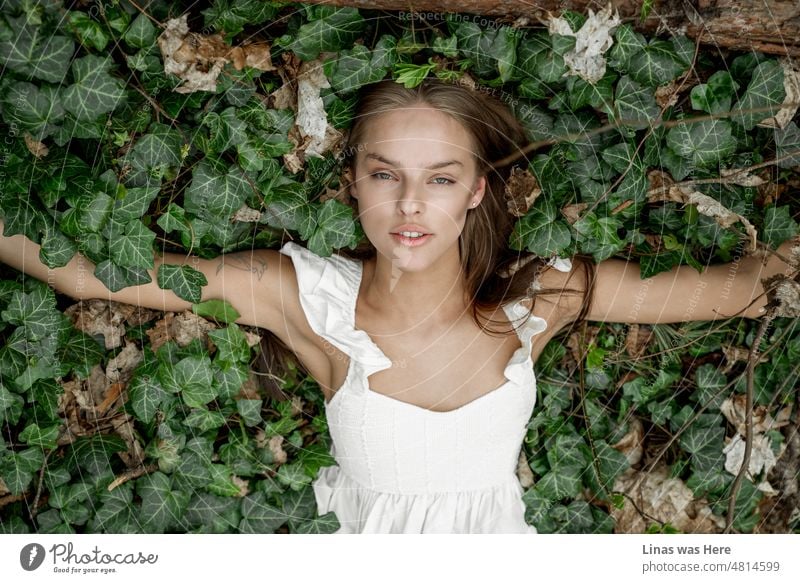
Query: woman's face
[{"x": 416, "y": 167}]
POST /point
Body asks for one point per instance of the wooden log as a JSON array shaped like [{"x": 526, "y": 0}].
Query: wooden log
[{"x": 769, "y": 26}]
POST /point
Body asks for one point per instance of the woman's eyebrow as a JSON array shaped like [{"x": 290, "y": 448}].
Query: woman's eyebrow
[{"x": 436, "y": 166}]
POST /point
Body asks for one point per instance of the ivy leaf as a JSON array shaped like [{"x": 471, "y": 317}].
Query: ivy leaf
[
  {"x": 709, "y": 382},
  {"x": 335, "y": 228},
  {"x": 778, "y": 225},
  {"x": 156, "y": 151},
  {"x": 17, "y": 469},
  {"x": 56, "y": 249},
  {"x": 133, "y": 247},
  {"x": 44, "y": 437},
  {"x": 286, "y": 207},
  {"x": 765, "y": 90},
  {"x": 229, "y": 381},
  {"x": 656, "y": 64},
  {"x": 697, "y": 438},
  {"x": 185, "y": 281},
  {"x": 787, "y": 142},
  {"x": 231, "y": 343},
  {"x": 635, "y": 104},
  {"x": 215, "y": 193},
  {"x": 141, "y": 33},
  {"x": 33, "y": 109},
  {"x": 162, "y": 507},
  {"x": 604, "y": 464},
  {"x": 146, "y": 394},
  {"x": 627, "y": 44},
  {"x": 560, "y": 483},
  {"x": 540, "y": 232},
  {"x": 204, "y": 420},
  {"x": 716, "y": 95},
  {"x": 598, "y": 236},
  {"x": 88, "y": 30},
  {"x": 491, "y": 51},
  {"x": 34, "y": 54},
  {"x": 94, "y": 92},
  {"x": 116, "y": 277},
  {"x": 132, "y": 203},
  {"x": 566, "y": 452},
  {"x": 336, "y": 30},
  {"x": 705, "y": 143},
  {"x": 250, "y": 411},
  {"x": 359, "y": 66},
  {"x": 260, "y": 517},
  {"x": 193, "y": 376},
  {"x": 226, "y": 130},
  {"x": 35, "y": 311}
]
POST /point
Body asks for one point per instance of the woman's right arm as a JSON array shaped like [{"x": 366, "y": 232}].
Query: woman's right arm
[{"x": 256, "y": 283}]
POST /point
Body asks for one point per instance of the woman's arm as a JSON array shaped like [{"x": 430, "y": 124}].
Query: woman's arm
[
  {"x": 249, "y": 280},
  {"x": 682, "y": 294}
]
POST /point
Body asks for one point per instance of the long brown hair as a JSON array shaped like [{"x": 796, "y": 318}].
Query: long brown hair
[{"x": 485, "y": 254}]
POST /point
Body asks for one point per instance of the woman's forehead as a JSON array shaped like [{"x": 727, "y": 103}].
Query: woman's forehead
[{"x": 400, "y": 134}]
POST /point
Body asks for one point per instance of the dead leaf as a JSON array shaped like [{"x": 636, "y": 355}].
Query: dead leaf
[
  {"x": 663, "y": 498},
  {"x": 592, "y": 40},
  {"x": 783, "y": 295},
  {"x": 35, "y": 147},
  {"x": 733, "y": 408},
  {"x": 734, "y": 354},
  {"x": 246, "y": 215},
  {"x": 637, "y": 339},
  {"x": 667, "y": 95},
  {"x": 121, "y": 367},
  {"x": 243, "y": 485},
  {"x": 632, "y": 443},
  {"x": 740, "y": 177},
  {"x": 791, "y": 86},
  {"x": 182, "y": 328},
  {"x": 312, "y": 120},
  {"x": 762, "y": 458},
  {"x": 123, "y": 425},
  {"x": 573, "y": 212},
  {"x": 521, "y": 191},
  {"x": 524, "y": 472},
  {"x": 711, "y": 207},
  {"x": 278, "y": 454},
  {"x": 105, "y": 318},
  {"x": 198, "y": 59}
]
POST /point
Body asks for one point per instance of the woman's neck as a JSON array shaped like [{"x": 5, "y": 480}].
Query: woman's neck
[{"x": 435, "y": 295}]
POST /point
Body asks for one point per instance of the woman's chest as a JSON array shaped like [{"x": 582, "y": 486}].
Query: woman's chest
[{"x": 440, "y": 371}]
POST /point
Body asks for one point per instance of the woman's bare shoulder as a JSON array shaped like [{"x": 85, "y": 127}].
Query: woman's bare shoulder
[{"x": 568, "y": 292}]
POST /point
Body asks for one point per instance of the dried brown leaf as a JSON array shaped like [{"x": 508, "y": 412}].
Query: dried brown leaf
[{"x": 522, "y": 190}]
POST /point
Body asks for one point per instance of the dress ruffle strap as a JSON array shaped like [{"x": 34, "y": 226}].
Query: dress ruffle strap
[
  {"x": 328, "y": 293},
  {"x": 520, "y": 368}
]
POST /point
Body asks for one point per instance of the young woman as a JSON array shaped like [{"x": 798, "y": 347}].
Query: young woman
[{"x": 423, "y": 341}]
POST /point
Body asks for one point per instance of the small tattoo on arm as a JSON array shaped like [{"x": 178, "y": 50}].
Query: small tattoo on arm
[{"x": 255, "y": 265}]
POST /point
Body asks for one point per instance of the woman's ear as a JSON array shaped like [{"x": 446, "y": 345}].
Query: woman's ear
[
  {"x": 350, "y": 183},
  {"x": 479, "y": 189}
]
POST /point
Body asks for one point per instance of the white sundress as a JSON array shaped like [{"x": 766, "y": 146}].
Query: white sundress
[{"x": 402, "y": 468}]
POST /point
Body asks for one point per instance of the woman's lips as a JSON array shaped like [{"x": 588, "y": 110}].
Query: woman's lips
[{"x": 411, "y": 241}]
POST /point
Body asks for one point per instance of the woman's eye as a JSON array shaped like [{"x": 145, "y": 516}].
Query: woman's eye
[
  {"x": 446, "y": 180},
  {"x": 377, "y": 174}
]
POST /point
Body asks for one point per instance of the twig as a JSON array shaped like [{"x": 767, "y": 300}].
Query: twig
[
  {"x": 132, "y": 475},
  {"x": 748, "y": 420},
  {"x": 732, "y": 177},
  {"x": 33, "y": 511}
]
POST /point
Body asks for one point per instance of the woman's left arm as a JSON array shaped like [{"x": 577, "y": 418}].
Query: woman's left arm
[{"x": 682, "y": 294}]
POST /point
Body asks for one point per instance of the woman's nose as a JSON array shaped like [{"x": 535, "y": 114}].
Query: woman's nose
[{"x": 411, "y": 198}]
